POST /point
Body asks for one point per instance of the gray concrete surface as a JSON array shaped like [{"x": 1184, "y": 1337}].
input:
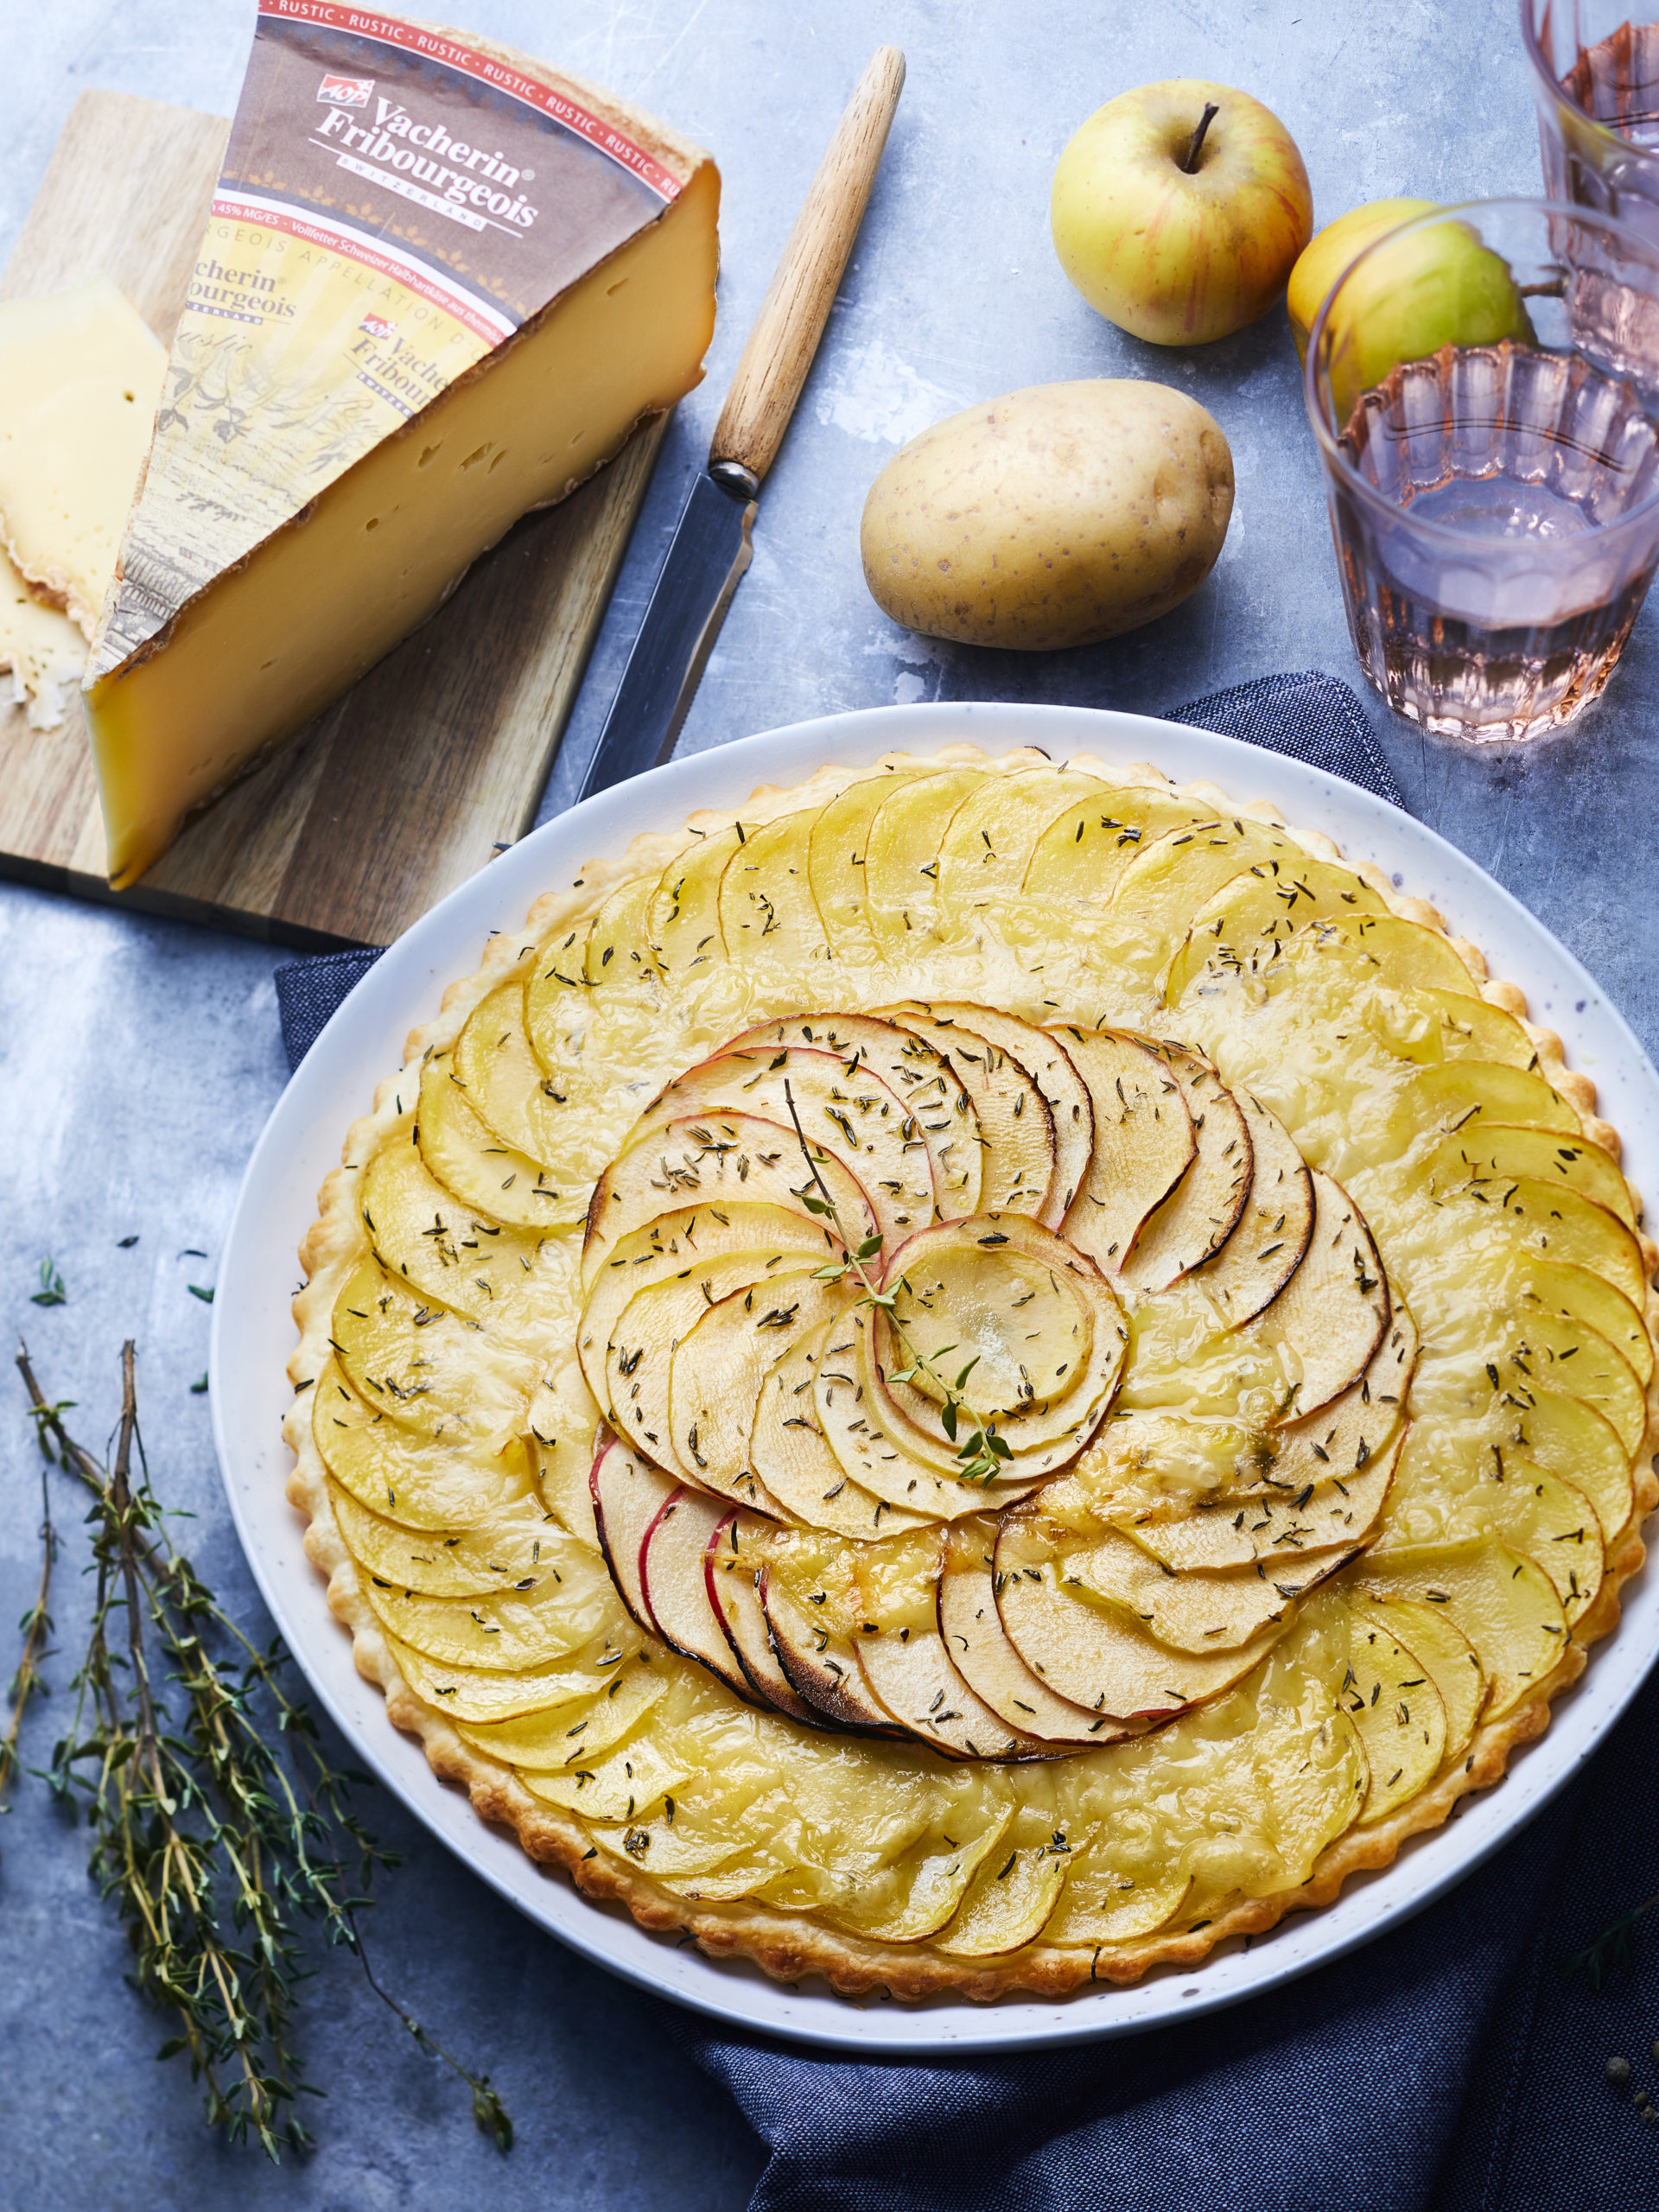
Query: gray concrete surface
[{"x": 138, "y": 1060}]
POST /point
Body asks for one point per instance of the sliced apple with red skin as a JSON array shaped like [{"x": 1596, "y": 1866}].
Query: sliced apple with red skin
[
  {"x": 685, "y": 1238},
  {"x": 1205, "y": 1610},
  {"x": 852, "y": 1116},
  {"x": 639, "y": 1364},
  {"x": 788, "y": 1452},
  {"x": 1270, "y": 1237},
  {"x": 1040, "y": 1053},
  {"x": 820, "y": 1666},
  {"x": 628, "y": 1495},
  {"x": 919, "y": 1076},
  {"x": 1096, "y": 1658},
  {"x": 718, "y": 1366},
  {"x": 676, "y": 1590},
  {"x": 732, "y": 1561},
  {"x": 906, "y": 1661},
  {"x": 1143, "y": 1141},
  {"x": 1016, "y": 1129},
  {"x": 981, "y": 1651},
  {"x": 844, "y": 1408},
  {"x": 1334, "y": 1311},
  {"x": 1202, "y": 1211},
  {"x": 712, "y": 1164}
]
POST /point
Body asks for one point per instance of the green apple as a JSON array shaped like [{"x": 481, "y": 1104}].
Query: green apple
[
  {"x": 1410, "y": 296},
  {"x": 1177, "y": 210},
  {"x": 1332, "y": 249}
]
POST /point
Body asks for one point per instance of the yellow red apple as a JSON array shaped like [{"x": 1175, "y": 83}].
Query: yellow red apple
[
  {"x": 1178, "y": 210},
  {"x": 1330, "y": 252}
]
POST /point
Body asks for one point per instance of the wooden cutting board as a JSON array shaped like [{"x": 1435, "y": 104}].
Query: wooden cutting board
[{"x": 437, "y": 759}]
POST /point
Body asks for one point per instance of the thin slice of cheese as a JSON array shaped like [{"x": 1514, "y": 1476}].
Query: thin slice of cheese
[
  {"x": 441, "y": 285},
  {"x": 43, "y": 648},
  {"x": 80, "y": 375}
]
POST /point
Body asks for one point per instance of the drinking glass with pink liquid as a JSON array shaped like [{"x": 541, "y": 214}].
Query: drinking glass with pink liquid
[
  {"x": 1597, "y": 76},
  {"x": 1479, "y": 383}
]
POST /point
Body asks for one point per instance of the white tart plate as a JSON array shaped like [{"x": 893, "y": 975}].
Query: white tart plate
[{"x": 254, "y": 1335}]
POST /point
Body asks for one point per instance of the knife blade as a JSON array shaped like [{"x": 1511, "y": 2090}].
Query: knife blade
[{"x": 712, "y": 544}]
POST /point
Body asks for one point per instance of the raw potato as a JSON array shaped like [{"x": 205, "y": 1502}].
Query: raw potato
[{"x": 1054, "y": 517}]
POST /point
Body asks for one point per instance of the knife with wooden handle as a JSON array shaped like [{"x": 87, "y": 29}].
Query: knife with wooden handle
[{"x": 711, "y": 547}]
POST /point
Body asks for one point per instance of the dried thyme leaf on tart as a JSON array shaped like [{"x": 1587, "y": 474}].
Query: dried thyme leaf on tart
[
  {"x": 1333, "y": 1313},
  {"x": 1040, "y": 1053},
  {"x": 1081, "y": 854},
  {"x": 1518, "y": 1352},
  {"x": 1104, "y": 1904},
  {"x": 1461, "y": 1097},
  {"x": 718, "y": 1367},
  {"x": 901, "y": 858},
  {"x": 640, "y": 1357},
  {"x": 619, "y": 947},
  {"x": 1143, "y": 1141},
  {"x": 1489, "y": 1156},
  {"x": 420, "y": 1482},
  {"x": 624, "y": 1784},
  {"x": 1015, "y": 1127},
  {"x": 989, "y": 841},
  {"x": 682, "y": 920},
  {"x": 849, "y": 1114},
  {"x": 1555, "y": 1222},
  {"x": 919, "y": 1076},
  {"x": 675, "y": 1586},
  {"x": 1443, "y": 1653},
  {"x": 717, "y": 1166},
  {"x": 1246, "y": 924},
  {"x": 1269, "y": 1238},
  {"x": 628, "y": 1495},
  {"x": 838, "y": 852},
  {"x": 424, "y": 1365},
  {"x": 489, "y": 1696},
  {"x": 1200, "y": 1609},
  {"x": 519, "y": 1281},
  {"x": 1195, "y": 1221},
  {"x": 517, "y": 1631},
  {"x": 552, "y": 1738},
  {"x": 733, "y": 1561},
  {"x": 1503, "y": 1602},
  {"x": 788, "y": 1453},
  {"x": 1008, "y": 1905},
  {"x": 512, "y": 1549},
  {"x": 1172, "y": 877},
  {"x": 465, "y": 1155},
  {"x": 979, "y": 1648},
  {"x": 1398, "y": 1714},
  {"x": 767, "y": 913},
  {"x": 1101, "y": 1658},
  {"x": 906, "y": 1662},
  {"x": 1236, "y": 1529}
]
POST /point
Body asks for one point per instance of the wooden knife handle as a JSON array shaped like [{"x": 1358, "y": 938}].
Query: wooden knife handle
[{"x": 804, "y": 285}]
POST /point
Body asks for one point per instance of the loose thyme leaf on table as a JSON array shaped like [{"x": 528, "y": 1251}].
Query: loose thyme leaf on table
[{"x": 217, "y": 1824}]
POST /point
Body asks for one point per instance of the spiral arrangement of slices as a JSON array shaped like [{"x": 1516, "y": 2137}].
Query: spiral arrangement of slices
[
  {"x": 781, "y": 1492},
  {"x": 1283, "y": 1259}
]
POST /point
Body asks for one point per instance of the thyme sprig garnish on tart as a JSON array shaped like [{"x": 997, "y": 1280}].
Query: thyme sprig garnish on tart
[
  {"x": 981, "y": 1453},
  {"x": 219, "y": 1822}
]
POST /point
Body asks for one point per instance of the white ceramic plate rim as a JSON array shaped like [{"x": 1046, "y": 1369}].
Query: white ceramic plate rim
[{"x": 254, "y": 1335}]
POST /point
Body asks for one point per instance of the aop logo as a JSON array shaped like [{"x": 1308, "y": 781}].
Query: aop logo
[
  {"x": 378, "y": 326},
  {"x": 346, "y": 92}
]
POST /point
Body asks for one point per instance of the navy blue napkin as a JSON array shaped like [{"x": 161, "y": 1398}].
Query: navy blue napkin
[{"x": 1451, "y": 2066}]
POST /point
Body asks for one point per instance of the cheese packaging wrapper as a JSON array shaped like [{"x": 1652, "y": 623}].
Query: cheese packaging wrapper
[{"x": 399, "y": 208}]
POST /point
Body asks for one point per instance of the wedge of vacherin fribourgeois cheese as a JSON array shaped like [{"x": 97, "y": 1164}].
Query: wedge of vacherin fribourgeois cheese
[{"x": 441, "y": 285}]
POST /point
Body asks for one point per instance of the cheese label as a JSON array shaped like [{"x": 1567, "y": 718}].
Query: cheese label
[{"x": 395, "y": 203}]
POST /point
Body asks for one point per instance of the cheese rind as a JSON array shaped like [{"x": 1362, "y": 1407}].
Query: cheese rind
[
  {"x": 80, "y": 375},
  {"x": 269, "y": 566}
]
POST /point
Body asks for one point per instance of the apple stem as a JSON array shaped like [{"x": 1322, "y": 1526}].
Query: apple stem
[{"x": 1189, "y": 160}]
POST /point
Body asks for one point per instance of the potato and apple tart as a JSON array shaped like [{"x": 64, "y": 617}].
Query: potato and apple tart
[{"x": 978, "y": 1379}]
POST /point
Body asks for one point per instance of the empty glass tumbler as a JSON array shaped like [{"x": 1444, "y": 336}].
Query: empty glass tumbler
[{"x": 1478, "y": 383}]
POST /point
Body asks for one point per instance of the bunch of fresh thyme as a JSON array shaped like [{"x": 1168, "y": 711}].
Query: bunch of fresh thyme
[
  {"x": 219, "y": 1824},
  {"x": 981, "y": 1453}
]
